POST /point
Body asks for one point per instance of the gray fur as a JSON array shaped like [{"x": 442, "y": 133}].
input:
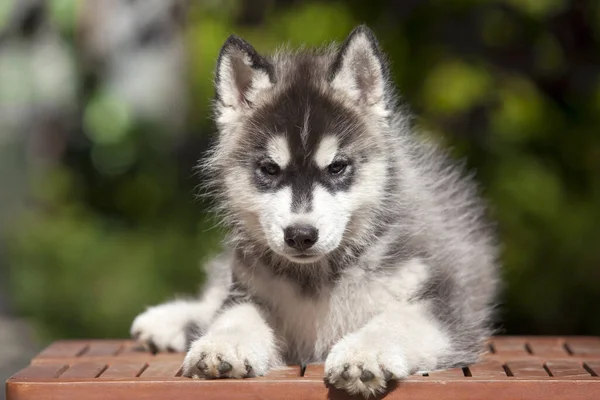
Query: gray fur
[{"x": 416, "y": 252}]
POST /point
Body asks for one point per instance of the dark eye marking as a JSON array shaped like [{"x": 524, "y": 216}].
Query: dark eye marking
[
  {"x": 268, "y": 175},
  {"x": 339, "y": 174},
  {"x": 337, "y": 167},
  {"x": 269, "y": 168}
]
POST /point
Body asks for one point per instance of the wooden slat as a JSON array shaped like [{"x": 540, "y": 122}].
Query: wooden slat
[
  {"x": 488, "y": 369},
  {"x": 103, "y": 348},
  {"x": 64, "y": 349},
  {"x": 541, "y": 366},
  {"x": 454, "y": 373},
  {"x": 131, "y": 348},
  {"x": 593, "y": 367},
  {"x": 563, "y": 369},
  {"x": 584, "y": 345},
  {"x": 527, "y": 369},
  {"x": 290, "y": 372},
  {"x": 123, "y": 369},
  {"x": 314, "y": 371},
  {"x": 547, "y": 347},
  {"x": 141, "y": 358},
  {"x": 162, "y": 369},
  {"x": 84, "y": 370},
  {"x": 35, "y": 372},
  {"x": 509, "y": 346},
  {"x": 311, "y": 389}
]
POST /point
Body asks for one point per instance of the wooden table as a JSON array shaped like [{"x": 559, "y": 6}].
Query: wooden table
[{"x": 515, "y": 368}]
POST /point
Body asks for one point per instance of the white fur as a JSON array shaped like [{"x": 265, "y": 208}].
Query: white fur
[
  {"x": 233, "y": 65},
  {"x": 311, "y": 325},
  {"x": 230, "y": 96},
  {"x": 274, "y": 216},
  {"x": 239, "y": 337},
  {"x": 393, "y": 345},
  {"x": 326, "y": 151},
  {"x": 360, "y": 76},
  {"x": 165, "y": 325},
  {"x": 279, "y": 151},
  {"x": 260, "y": 83},
  {"x": 330, "y": 213}
]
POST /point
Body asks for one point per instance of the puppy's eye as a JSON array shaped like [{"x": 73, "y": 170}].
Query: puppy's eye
[
  {"x": 270, "y": 168},
  {"x": 337, "y": 167}
]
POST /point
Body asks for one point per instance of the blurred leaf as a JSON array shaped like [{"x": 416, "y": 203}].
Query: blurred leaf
[
  {"x": 498, "y": 28},
  {"x": 549, "y": 57},
  {"x": 597, "y": 96},
  {"x": 141, "y": 196},
  {"x": 81, "y": 274},
  {"x": 539, "y": 8},
  {"x": 113, "y": 159},
  {"x": 15, "y": 86},
  {"x": 54, "y": 187},
  {"x": 6, "y": 8},
  {"x": 205, "y": 38},
  {"x": 521, "y": 114},
  {"x": 327, "y": 22},
  {"x": 455, "y": 86},
  {"x": 530, "y": 187},
  {"x": 64, "y": 13},
  {"x": 107, "y": 120}
]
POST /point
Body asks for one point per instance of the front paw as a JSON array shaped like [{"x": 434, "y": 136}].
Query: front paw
[
  {"x": 165, "y": 327},
  {"x": 359, "y": 367},
  {"x": 223, "y": 356}
]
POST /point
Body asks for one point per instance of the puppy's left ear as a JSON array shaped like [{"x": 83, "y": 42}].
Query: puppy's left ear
[
  {"x": 241, "y": 74},
  {"x": 359, "y": 69}
]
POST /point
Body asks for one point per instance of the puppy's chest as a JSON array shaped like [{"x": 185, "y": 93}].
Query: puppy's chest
[{"x": 310, "y": 323}]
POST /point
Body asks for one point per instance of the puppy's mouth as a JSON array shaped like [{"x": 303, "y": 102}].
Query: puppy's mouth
[{"x": 304, "y": 258}]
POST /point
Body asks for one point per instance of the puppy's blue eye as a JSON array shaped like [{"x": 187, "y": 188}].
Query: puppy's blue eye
[
  {"x": 337, "y": 167},
  {"x": 270, "y": 168}
]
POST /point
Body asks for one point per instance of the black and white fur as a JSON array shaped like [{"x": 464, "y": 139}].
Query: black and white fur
[{"x": 390, "y": 267}]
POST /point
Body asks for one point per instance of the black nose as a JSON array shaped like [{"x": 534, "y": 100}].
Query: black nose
[{"x": 300, "y": 237}]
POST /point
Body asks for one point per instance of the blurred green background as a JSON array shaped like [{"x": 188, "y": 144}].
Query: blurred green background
[{"x": 104, "y": 111}]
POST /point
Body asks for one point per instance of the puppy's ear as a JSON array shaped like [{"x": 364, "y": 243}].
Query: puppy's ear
[
  {"x": 241, "y": 75},
  {"x": 359, "y": 69}
]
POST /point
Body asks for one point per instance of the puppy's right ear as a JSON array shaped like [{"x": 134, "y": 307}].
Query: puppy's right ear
[{"x": 242, "y": 74}]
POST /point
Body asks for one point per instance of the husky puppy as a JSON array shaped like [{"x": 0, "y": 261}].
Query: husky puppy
[{"x": 353, "y": 240}]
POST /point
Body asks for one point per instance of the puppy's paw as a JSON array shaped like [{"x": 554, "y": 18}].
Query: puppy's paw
[
  {"x": 224, "y": 356},
  {"x": 359, "y": 367},
  {"x": 164, "y": 328}
]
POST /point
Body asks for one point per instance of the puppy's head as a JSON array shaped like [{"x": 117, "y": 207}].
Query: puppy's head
[{"x": 300, "y": 152}]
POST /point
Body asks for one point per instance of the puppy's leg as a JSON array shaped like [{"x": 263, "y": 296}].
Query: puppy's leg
[
  {"x": 173, "y": 325},
  {"x": 394, "y": 344},
  {"x": 238, "y": 344}
]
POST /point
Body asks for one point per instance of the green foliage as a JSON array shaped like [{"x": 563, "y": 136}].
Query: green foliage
[
  {"x": 119, "y": 228},
  {"x": 78, "y": 273},
  {"x": 454, "y": 86},
  {"x": 64, "y": 14}
]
